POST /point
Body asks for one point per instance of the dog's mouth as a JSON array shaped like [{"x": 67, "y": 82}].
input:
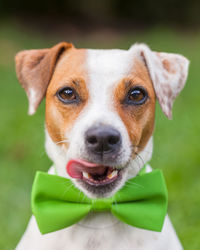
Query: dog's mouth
[{"x": 93, "y": 174}]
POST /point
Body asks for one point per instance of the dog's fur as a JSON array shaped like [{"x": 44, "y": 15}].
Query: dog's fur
[{"x": 102, "y": 79}]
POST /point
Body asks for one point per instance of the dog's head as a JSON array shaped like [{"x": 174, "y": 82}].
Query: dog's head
[{"x": 100, "y": 107}]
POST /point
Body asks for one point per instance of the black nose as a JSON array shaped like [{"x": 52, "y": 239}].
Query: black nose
[{"x": 103, "y": 139}]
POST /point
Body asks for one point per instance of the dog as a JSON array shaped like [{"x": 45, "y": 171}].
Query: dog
[{"x": 100, "y": 109}]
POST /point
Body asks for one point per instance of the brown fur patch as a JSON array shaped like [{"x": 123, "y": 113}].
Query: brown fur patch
[
  {"x": 69, "y": 72},
  {"x": 139, "y": 120},
  {"x": 34, "y": 70},
  {"x": 167, "y": 65}
]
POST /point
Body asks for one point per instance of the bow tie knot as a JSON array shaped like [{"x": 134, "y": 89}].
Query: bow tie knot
[{"x": 101, "y": 205}]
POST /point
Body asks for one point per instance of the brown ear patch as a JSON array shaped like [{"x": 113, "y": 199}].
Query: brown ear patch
[
  {"x": 167, "y": 66},
  {"x": 34, "y": 70}
]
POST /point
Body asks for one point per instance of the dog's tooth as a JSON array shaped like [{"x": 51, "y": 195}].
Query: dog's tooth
[
  {"x": 86, "y": 175},
  {"x": 113, "y": 174}
]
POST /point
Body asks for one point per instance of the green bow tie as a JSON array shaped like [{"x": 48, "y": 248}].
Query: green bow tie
[{"x": 57, "y": 203}]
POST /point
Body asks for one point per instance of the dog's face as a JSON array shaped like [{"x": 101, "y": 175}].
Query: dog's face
[{"x": 100, "y": 107}]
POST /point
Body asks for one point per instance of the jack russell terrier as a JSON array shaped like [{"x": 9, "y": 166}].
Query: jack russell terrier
[{"x": 100, "y": 110}]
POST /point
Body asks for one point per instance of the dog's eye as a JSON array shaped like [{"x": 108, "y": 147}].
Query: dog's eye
[
  {"x": 137, "y": 96},
  {"x": 67, "y": 95}
]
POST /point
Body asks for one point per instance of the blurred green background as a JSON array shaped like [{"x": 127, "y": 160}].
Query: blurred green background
[{"x": 172, "y": 26}]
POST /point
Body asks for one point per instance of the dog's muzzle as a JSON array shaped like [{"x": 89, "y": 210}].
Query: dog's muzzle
[{"x": 99, "y": 172}]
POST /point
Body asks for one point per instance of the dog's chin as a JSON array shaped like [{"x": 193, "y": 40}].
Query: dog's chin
[{"x": 102, "y": 186}]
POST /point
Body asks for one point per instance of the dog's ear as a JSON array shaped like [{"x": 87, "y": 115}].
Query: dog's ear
[
  {"x": 34, "y": 70},
  {"x": 168, "y": 73}
]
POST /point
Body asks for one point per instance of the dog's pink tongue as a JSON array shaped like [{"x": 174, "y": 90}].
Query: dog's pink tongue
[{"x": 75, "y": 167}]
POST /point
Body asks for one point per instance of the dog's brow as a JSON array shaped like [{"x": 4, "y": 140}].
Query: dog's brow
[
  {"x": 129, "y": 83},
  {"x": 76, "y": 82}
]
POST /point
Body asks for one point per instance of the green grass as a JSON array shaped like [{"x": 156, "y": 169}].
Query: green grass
[{"x": 176, "y": 142}]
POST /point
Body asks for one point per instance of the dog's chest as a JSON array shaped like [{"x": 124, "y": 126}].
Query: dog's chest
[
  {"x": 118, "y": 237},
  {"x": 101, "y": 232}
]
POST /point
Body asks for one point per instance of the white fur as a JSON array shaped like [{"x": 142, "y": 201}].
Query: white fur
[
  {"x": 100, "y": 231},
  {"x": 32, "y": 96}
]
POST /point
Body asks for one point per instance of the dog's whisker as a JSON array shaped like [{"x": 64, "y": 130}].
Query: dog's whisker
[
  {"x": 136, "y": 146},
  {"x": 79, "y": 193},
  {"x": 144, "y": 150},
  {"x": 128, "y": 183},
  {"x": 67, "y": 189},
  {"x": 137, "y": 163},
  {"x": 63, "y": 141},
  {"x": 140, "y": 157},
  {"x": 83, "y": 198},
  {"x": 115, "y": 202}
]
